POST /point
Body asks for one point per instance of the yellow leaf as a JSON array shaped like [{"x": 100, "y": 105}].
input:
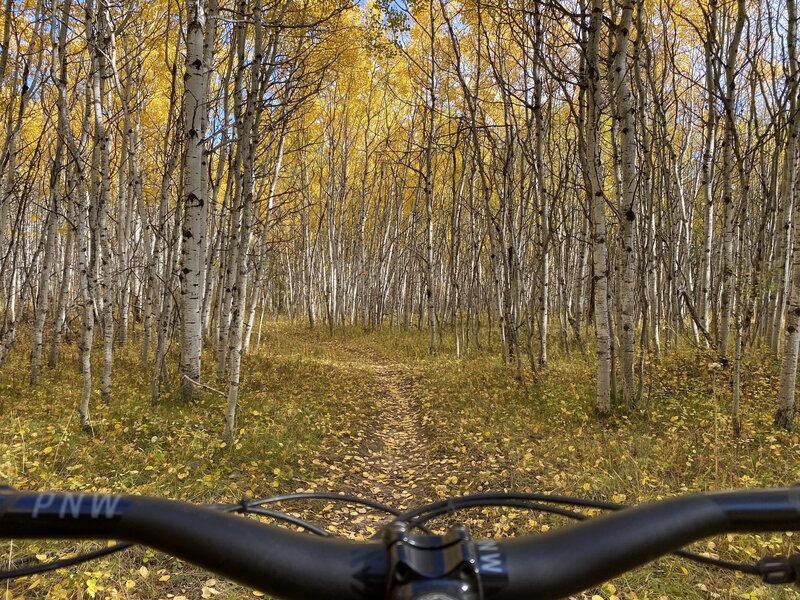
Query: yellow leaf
[
  {"x": 164, "y": 578},
  {"x": 684, "y": 570},
  {"x": 144, "y": 572},
  {"x": 130, "y": 584}
]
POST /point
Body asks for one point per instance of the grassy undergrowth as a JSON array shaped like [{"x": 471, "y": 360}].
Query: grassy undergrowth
[
  {"x": 540, "y": 435},
  {"x": 307, "y": 410},
  {"x": 294, "y": 410}
]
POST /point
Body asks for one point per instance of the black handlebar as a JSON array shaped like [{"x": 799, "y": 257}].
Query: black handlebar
[
  {"x": 292, "y": 565},
  {"x": 575, "y": 558},
  {"x": 280, "y": 562}
]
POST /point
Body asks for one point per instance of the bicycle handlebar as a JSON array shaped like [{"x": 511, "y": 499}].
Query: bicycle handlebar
[
  {"x": 576, "y": 558},
  {"x": 292, "y": 565}
]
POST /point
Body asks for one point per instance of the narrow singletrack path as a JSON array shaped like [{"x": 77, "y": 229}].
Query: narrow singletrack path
[
  {"x": 391, "y": 464},
  {"x": 400, "y": 456}
]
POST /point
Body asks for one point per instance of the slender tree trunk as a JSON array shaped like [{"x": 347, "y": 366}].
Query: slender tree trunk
[
  {"x": 726, "y": 308},
  {"x": 543, "y": 194},
  {"x": 43, "y": 295},
  {"x": 429, "y": 132},
  {"x": 784, "y": 416},
  {"x": 248, "y": 142},
  {"x": 60, "y": 316},
  {"x": 598, "y": 203},
  {"x": 87, "y": 327},
  {"x": 99, "y": 44},
  {"x": 708, "y": 158},
  {"x": 627, "y": 203},
  {"x": 194, "y": 205}
]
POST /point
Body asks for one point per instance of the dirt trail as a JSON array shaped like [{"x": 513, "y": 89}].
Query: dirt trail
[
  {"x": 400, "y": 456},
  {"x": 392, "y": 464}
]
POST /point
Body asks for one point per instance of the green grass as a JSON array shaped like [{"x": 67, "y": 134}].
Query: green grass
[
  {"x": 288, "y": 410},
  {"x": 540, "y": 435},
  {"x": 309, "y": 405}
]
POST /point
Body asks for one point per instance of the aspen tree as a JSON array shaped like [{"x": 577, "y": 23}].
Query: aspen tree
[
  {"x": 784, "y": 415},
  {"x": 788, "y": 179},
  {"x": 246, "y": 146},
  {"x": 166, "y": 242},
  {"x": 628, "y": 205},
  {"x": 236, "y": 191},
  {"x": 43, "y": 293},
  {"x": 84, "y": 265},
  {"x": 543, "y": 192},
  {"x": 598, "y": 204},
  {"x": 65, "y": 137},
  {"x": 16, "y": 273},
  {"x": 194, "y": 199},
  {"x": 98, "y": 38},
  {"x": 710, "y": 127},
  {"x": 726, "y": 304},
  {"x": 647, "y": 260},
  {"x": 429, "y": 133}
]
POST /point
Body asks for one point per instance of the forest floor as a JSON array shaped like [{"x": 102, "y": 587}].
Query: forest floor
[{"x": 373, "y": 414}]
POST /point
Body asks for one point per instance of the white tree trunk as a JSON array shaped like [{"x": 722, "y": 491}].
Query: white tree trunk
[
  {"x": 627, "y": 203},
  {"x": 542, "y": 192},
  {"x": 708, "y": 165},
  {"x": 728, "y": 291},
  {"x": 98, "y": 45},
  {"x": 598, "y": 202},
  {"x": 248, "y": 142},
  {"x": 194, "y": 222},
  {"x": 64, "y": 136},
  {"x": 784, "y": 416},
  {"x": 43, "y": 295},
  {"x": 87, "y": 326}
]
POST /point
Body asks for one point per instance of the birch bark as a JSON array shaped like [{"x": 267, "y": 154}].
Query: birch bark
[
  {"x": 598, "y": 204},
  {"x": 628, "y": 205},
  {"x": 194, "y": 202},
  {"x": 708, "y": 158},
  {"x": 784, "y": 415},
  {"x": 98, "y": 45},
  {"x": 543, "y": 194},
  {"x": 247, "y": 144},
  {"x": 43, "y": 295},
  {"x": 728, "y": 291}
]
